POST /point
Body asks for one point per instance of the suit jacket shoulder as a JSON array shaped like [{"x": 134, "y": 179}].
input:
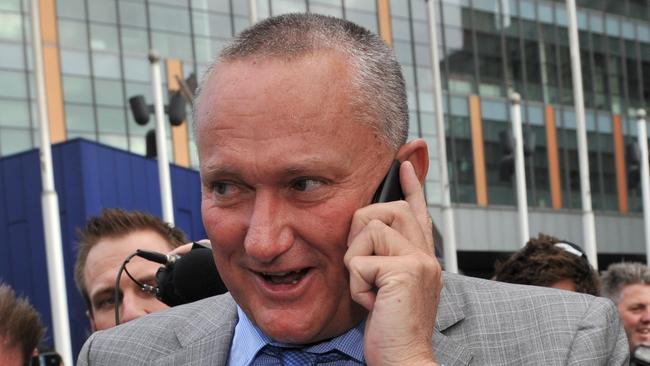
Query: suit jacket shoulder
[
  {"x": 485, "y": 322},
  {"x": 199, "y": 333}
]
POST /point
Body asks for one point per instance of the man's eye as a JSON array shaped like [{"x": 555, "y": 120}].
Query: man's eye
[
  {"x": 222, "y": 188},
  {"x": 305, "y": 184},
  {"x": 104, "y": 302}
]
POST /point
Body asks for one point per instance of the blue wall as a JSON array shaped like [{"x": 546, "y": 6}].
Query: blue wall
[{"x": 88, "y": 177}]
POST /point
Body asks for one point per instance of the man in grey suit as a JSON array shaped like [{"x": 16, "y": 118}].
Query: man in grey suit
[{"x": 297, "y": 123}]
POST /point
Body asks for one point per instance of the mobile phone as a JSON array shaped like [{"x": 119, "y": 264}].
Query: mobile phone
[{"x": 390, "y": 188}]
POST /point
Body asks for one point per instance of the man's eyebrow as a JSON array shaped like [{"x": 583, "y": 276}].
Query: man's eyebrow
[{"x": 101, "y": 292}]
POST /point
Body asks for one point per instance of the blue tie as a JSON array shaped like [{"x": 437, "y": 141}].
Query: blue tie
[{"x": 298, "y": 357}]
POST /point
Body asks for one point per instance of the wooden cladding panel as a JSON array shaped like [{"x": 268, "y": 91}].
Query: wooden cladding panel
[
  {"x": 619, "y": 160},
  {"x": 385, "y": 25},
  {"x": 478, "y": 150},
  {"x": 52, "y": 71},
  {"x": 553, "y": 158}
]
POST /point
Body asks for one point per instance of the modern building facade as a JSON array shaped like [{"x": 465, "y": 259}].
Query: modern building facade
[{"x": 96, "y": 58}]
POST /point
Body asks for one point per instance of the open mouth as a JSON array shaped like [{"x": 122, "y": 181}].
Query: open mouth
[{"x": 284, "y": 278}]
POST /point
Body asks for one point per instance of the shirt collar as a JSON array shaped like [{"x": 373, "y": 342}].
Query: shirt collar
[{"x": 249, "y": 340}]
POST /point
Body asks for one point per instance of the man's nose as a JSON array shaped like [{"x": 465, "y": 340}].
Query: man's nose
[
  {"x": 132, "y": 307},
  {"x": 268, "y": 235},
  {"x": 645, "y": 317}
]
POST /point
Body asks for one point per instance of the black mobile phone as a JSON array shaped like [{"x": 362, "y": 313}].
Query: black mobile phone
[{"x": 390, "y": 188}]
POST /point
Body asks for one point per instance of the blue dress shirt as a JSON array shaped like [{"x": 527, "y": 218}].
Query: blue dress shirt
[{"x": 249, "y": 340}]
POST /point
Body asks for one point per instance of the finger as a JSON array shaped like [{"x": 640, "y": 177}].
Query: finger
[
  {"x": 378, "y": 239},
  {"x": 414, "y": 195},
  {"x": 397, "y": 215},
  {"x": 362, "y": 281}
]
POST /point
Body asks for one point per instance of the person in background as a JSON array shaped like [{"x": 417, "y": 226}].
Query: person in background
[
  {"x": 628, "y": 285},
  {"x": 550, "y": 262},
  {"x": 21, "y": 329},
  {"x": 103, "y": 244}
]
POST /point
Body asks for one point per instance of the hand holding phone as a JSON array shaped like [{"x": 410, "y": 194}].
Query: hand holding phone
[{"x": 393, "y": 271}]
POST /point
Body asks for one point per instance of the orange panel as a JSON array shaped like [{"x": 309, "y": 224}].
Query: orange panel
[
  {"x": 385, "y": 24},
  {"x": 53, "y": 94},
  {"x": 619, "y": 160},
  {"x": 48, "y": 22},
  {"x": 180, "y": 133},
  {"x": 52, "y": 71},
  {"x": 478, "y": 150},
  {"x": 553, "y": 158}
]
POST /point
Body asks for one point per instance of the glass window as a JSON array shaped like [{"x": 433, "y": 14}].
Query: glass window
[
  {"x": 241, "y": 23},
  {"x": 169, "y": 18},
  {"x": 14, "y": 140},
  {"x": 135, "y": 40},
  {"x": 104, "y": 37},
  {"x": 11, "y": 26},
  {"x": 214, "y": 5},
  {"x": 74, "y": 62},
  {"x": 144, "y": 89},
  {"x": 77, "y": 89},
  {"x": 111, "y": 120},
  {"x": 109, "y": 92},
  {"x": 133, "y": 13},
  {"x": 73, "y": 34},
  {"x": 15, "y": 113},
  {"x": 207, "y": 49},
  {"x": 596, "y": 22},
  {"x": 79, "y": 118},
  {"x": 103, "y": 11},
  {"x": 118, "y": 141},
  {"x": 239, "y": 8},
  {"x": 362, "y": 18},
  {"x": 106, "y": 65},
  {"x": 13, "y": 5},
  {"x": 11, "y": 56},
  {"x": 15, "y": 84},
  {"x": 288, "y": 6},
  {"x": 210, "y": 24},
  {"x": 71, "y": 9},
  {"x": 172, "y": 45},
  {"x": 335, "y": 11}
]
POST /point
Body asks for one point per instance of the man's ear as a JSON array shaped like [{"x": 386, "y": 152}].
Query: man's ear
[
  {"x": 417, "y": 152},
  {"x": 89, "y": 315}
]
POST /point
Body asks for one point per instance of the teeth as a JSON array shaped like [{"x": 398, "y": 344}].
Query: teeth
[
  {"x": 294, "y": 282},
  {"x": 278, "y": 273}
]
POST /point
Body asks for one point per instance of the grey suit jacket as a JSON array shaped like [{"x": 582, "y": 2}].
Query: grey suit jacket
[{"x": 479, "y": 322}]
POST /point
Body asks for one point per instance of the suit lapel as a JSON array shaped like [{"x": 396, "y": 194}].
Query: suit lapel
[
  {"x": 205, "y": 338},
  {"x": 450, "y": 314}
]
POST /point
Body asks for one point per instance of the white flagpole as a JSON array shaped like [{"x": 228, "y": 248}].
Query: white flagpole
[
  {"x": 520, "y": 172},
  {"x": 588, "y": 225},
  {"x": 161, "y": 140},
  {"x": 449, "y": 247},
  {"x": 50, "y": 207}
]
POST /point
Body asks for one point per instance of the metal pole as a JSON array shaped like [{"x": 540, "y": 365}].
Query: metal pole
[
  {"x": 252, "y": 8},
  {"x": 520, "y": 172},
  {"x": 588, "y": 226},
  {"x": 161, "y": 140},
  {"x": 50, "y": 204},
  {"x": 449, "y": 247},
  {"x": 645, "y": 178}
]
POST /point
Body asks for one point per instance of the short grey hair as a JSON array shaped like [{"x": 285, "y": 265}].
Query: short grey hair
[
  {"x": 619, "y": 275},
  {"x": 380, "y": 97}
]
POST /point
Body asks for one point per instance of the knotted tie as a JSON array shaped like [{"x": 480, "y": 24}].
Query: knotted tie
[{"x": 299, "y": 357}]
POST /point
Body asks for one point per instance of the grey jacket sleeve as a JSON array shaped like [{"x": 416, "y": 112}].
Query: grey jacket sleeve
[
  {"x": 600, "y": 339},
  {"x": 84, "y": 355}
]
